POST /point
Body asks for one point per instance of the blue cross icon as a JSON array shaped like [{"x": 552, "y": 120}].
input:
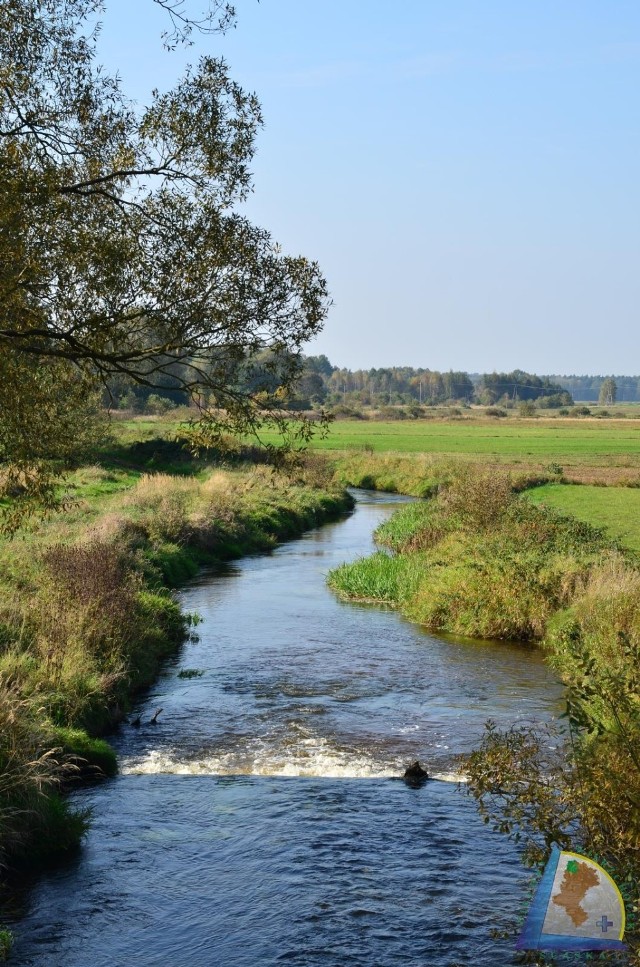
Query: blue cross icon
[{"x": 604, "y": 923}]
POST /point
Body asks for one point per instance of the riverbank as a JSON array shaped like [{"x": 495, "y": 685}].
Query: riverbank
[
  {"x": 87, "y": 618},
  {"x": 478, "y": 560},
  {"x": 481, "y": 560}
]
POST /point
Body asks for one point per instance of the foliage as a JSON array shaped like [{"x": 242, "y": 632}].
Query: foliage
[
  {"x": 527, "y": 408},
  {"x": 122, "y": 253},
  {"x": 395, "y": 384},
  {"x": 608, "y": 392},
  {"x": 580, "y": 790},
  {"x": 519, "y": 385},
  {"x": 49, "y": 422},
  {"x": 587, "y": 388},
  {"x": 518, "y": 778},
  {"x": 159, "y": 404}
]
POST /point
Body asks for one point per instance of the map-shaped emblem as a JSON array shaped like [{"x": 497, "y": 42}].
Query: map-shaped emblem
[{"x": 577, "y": 906}]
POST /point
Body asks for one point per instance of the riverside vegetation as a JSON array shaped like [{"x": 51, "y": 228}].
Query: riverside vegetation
[
  {"x": 481, "y": 560},
  {"x": 87, "y": 615}
]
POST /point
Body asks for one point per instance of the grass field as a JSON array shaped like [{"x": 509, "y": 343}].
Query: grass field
[
  {"x": 525, "y": 440},
  {"x": 538, "y": 438},
  {"x": 615, "y": 508}
]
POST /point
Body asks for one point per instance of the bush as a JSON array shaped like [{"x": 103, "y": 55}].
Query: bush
[
  {"x": 526, "y": 408},
  {"x": 159, "y": 405},
  {"x": 391, "y": 413},
  {"x": 343, "y": 412}
]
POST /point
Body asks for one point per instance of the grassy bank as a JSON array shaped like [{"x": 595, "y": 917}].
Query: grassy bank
[
  {"x": 477, "y": 560},
  {"x": 87, "y": 616},
  {"x": 482, "y": 560},
  {"x": 421, "y": 474}
]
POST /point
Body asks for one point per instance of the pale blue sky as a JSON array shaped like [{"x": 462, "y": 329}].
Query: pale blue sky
[{"x": 466, "y": 172}]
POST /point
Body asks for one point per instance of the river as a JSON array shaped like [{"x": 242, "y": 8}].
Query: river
[{"x": 261, "y": 820}]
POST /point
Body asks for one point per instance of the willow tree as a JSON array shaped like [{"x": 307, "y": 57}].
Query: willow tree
[{"x": 122, "y": 251}]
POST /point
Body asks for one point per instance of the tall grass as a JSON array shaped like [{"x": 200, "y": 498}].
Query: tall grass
[
  {"x": 87, "y": 617},
  {"x": 479, "y": 560},
  {"x": 33, "y": 818},
  {"x": 379, "y": 578},
  {"x": 483, "y": 561}
]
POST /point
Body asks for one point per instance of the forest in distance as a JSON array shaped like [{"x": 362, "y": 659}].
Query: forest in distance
[{"x": 321, "y": 383}]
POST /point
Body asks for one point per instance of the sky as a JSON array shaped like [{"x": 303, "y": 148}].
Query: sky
[{"x": 466, "y": 172}]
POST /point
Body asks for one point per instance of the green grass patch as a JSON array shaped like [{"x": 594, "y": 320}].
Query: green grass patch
[
  {"x": 535, "y": 440},
  {"x": 380, "y": 578},
  {"x": 93, "y": 756},
  {"x": 617, "y": 509}
]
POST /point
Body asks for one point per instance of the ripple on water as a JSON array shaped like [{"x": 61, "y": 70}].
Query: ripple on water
[{"x": 246, "y": 872}]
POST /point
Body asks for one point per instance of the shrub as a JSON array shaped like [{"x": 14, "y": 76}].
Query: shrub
[
  {"x": 159, "y": 405},
  {"x": 476, "y": 498},
  {"x": 343, "y": 412},
  {"x": 526, "y": 408}
]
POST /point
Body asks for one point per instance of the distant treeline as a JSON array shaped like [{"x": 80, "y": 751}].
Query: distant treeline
[
  {"x": 386, "y": 386},
  {"x": 587, "y": 388},
  {"x": 323, "y": 384}
]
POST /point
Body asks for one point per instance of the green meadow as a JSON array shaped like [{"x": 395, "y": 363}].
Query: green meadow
[
  {"x": 615, "y": 508},
  {"x": 411, "y": 456},
  {"x": 511, "y": 440}
]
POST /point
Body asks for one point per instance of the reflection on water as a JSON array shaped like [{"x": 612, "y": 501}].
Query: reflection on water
[{"x": 204, "y": 852}]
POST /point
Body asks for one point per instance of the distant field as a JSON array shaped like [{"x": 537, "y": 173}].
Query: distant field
[
  {"x": 616, "y": 508},
  {"x": 510, "y": 440},
  {"x": 588, "y": 450}
]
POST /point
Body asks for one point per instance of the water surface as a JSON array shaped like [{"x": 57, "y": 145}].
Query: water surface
[{"x": 261, "y": 821}]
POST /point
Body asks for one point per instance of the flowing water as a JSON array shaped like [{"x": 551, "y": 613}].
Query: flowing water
[{"x": 261, "y": 820}]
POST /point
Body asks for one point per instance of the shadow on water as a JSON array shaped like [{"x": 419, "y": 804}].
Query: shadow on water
[{"x": 256, "y": 822}]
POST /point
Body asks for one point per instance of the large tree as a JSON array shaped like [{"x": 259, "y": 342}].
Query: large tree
[{"x": 122, "y": 252}]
